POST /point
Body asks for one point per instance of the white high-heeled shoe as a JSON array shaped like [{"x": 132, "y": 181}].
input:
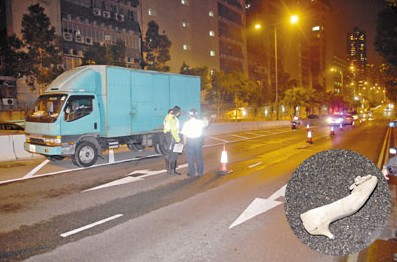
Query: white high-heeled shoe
[{"x": 316, "y": 221}]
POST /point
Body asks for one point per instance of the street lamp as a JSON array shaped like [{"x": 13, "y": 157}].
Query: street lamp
[{"x": 293, "y": 20}]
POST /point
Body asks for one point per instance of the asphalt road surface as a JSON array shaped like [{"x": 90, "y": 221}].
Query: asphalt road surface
[{"x": 131, "y": 210}]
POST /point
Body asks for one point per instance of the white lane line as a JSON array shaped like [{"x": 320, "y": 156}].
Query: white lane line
[
  {"x": 77, "y": 230},
  {"x": 267, "y": 132},
  {"x": 254, "y": 165},
  {"x": 36, "y": 169},
  {"x": 225, "y": 141},
  {"x": 254, "y": 134},
  {"x": 242, "y": 137}
]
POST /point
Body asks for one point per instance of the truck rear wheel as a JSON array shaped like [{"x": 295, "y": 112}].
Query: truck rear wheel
[
  {"x": 86, "y": 154},
  {"x": 161, "y": 149}
]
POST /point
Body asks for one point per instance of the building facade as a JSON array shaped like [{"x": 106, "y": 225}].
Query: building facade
[
  {"x": 203, "y": 33},
  {"x": 357, "y": 49},
  {"x": 85, "y": 23}
]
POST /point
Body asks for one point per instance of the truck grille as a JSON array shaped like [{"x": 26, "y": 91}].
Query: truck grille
[{"x": 37, "y": 141}]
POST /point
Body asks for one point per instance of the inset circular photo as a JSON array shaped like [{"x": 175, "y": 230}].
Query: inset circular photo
[{"x": 337, "y": 202}]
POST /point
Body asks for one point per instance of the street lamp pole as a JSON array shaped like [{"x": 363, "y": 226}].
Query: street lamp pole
[{"x": 276, "y": 68}]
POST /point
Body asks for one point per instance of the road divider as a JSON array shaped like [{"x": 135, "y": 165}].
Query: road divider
[{"x": 13, "y": 145}]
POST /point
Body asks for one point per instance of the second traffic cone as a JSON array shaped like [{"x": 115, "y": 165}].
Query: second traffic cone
[
  {"x": 309, "y": 137},
  {"x": 332, "y": 132},
  {"x": 307, "y": 127},
  {"x": 224, "y": 170}
]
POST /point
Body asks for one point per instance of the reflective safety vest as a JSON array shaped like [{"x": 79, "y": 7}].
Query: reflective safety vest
[
  {"x": 174, "y": 128},
  {"x": 166, "y": 123}
]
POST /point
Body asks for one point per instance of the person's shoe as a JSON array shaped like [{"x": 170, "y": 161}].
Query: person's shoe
[{"x": 189, "y": 175}]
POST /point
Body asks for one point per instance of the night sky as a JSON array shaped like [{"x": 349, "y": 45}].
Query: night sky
[{"x": 361, "y": 13}]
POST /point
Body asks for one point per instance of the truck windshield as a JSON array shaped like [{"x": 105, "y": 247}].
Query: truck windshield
[{"x": 46, "y": 108}]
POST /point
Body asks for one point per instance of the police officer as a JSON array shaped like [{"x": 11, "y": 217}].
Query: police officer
[
  {"x": 193, "y": 139},
  {"x": 174, "y": 138}
]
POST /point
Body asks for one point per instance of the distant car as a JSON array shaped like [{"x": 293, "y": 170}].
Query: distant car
[
  {"x": 313, "y": 116},
  {"x": 12, "y": 125},
  {"x": 340, "y": 118}
]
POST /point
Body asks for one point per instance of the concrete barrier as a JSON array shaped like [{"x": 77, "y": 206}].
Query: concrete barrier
[
  {"x": 12, "y": 145},
  {"x": 222, "y": 128},
  {"x": 12, "y": 148}
]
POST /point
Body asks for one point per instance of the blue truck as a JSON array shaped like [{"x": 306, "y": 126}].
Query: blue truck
[{"x": 90, "y": 109}]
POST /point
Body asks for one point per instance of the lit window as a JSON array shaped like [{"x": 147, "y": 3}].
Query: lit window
[
  {"x": 151, "y": 12},
  {"x": 185, "y": 24},
  {"x": 211, "y": 13},
  {"x": 186, "y": 47},
  {"x": 212, "y": 53},
  {"x": 185, "y": 2},
  {"x": 212, "y": 33}
]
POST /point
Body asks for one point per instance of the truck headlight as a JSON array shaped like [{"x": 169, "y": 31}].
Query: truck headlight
[{"x": 53, "y": 141}]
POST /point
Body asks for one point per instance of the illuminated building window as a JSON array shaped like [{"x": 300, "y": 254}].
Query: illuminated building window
[
  {"x": 212, "y": 53},
  {"x": 185, "y": 24},
  {"x": 151, "y": 12},
  {"x": 211, "y": 13},
  {"x": 186, "y": 47},
  {"x": 212, "y": 33},
  {"x": 185, "y": 2}
]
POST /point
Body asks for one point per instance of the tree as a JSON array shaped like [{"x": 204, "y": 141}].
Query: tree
[
  {"x": 386, "y": 35},
  {"x": 156, "y": 49},
  {"x": 13, "y": 59},
  {"x": 240, "y": 87},
  {"x": 299, "y": 96},
  {"x": 43, "y": 48},
  {"x": 99, "y": 55},
  {"x": 118, "y": 52},
  {"x": 203, "y": 72},
  {"x": 386, "y": 45},
  {"x": 234, "y": 87}
]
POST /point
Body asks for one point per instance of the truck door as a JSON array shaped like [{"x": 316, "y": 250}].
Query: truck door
[{"x": 80, "y": 116}]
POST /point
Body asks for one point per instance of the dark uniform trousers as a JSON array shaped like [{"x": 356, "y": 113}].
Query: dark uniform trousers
[{"x": 194, "y": 151}]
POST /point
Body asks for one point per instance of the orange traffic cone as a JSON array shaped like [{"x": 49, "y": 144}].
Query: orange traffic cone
[
  {"x": 332, "y": 132},
  {"x": 309, "y": 137},
  {"x": 307, "y": 127},
  {"x": 353, "y": 124},
  {"x": 224, "y": 170}
]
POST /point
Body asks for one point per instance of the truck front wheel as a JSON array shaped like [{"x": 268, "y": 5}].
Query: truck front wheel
[{"x": 86, "y": 154}]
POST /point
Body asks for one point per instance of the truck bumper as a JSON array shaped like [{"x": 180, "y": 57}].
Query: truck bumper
[{"x": 64, "y": 150}]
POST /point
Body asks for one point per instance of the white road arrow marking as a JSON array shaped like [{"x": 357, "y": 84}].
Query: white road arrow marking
[
  {"x": 259, "y": 206},
  {"x": 129, "y": 178},
  {"x": 118, "y": 182}
]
